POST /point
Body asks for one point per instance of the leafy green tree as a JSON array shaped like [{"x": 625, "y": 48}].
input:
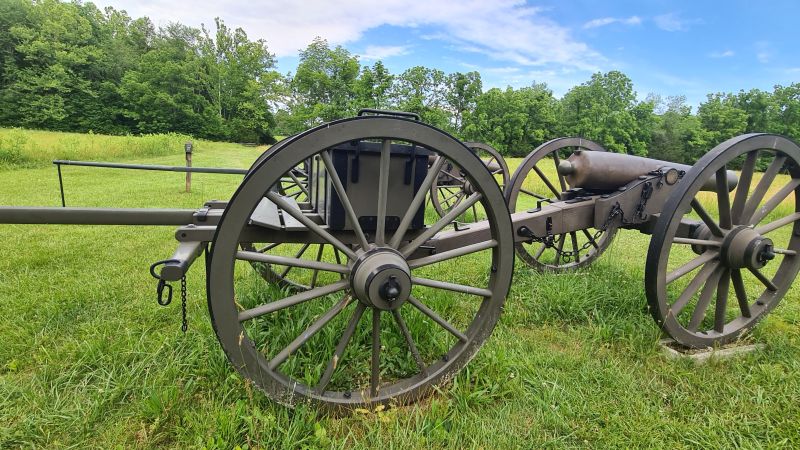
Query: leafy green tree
[
  {"x": 676, "y": 133},
  {"x": 759, "y": 106},
  {"x": 461, "y": 96},
  {"x": 240, "y": 85},
  {"x": 604, "y": 109},
  {"x": 164, "y": 92},
  {"x": 323, "y": 88},
  {"x": 513, "y": 121},
  {"x": 721, "y": 117},
  {"x": 785, "y": 117},
  {"x": 422, "y": 90},
  {"x": 373, "y": 87}
]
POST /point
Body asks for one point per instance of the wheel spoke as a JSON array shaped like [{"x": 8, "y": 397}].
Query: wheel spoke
[
  {"x": 705, "y": 299},
  {"x": 450, "y": 254},
  {"x": 763, "y": 279},
  {"x": 724, "y": 199},
  {"x": 321, "y": 232},
  {"x": 539, "y": 252},
  {"x": 562, "y": 182},
  {"x": 741, "y": 292},
  {"x": 722, "y": 301},
  {"x": 547, "y": 181},
  {"x": 409, "y": 340},
  {"x": 451, "y": 287},
  {"x": 743, "y": 187},
  {"x": 688, "y": 241},
  {"x": 560, "y": 249},
  {"x": 773, "y": 202},
  {"x": 710, "y": 222},
  {"x": 438, "y": 319},
  {"x": 316, "y": 271},
  {"x": 338, "y": 354},
  {"x": 697, "y": 282},
  {"x": 591, "y": 239},
  {"x": 296, "y": 257},
  {"x": 540, "y": 197},
  {"x": 291, "y": 262},
  {"x": 293, "y": 300},
  {"x": 375, "y": 376},
  {"x": 691, "y": 265},
  {"x": 575, "y": 247},
  {"x": 269, "y": 247},
  {"x": 440, "y": 224},
  {"x": 762, "y": 187},
  {"x": 299, "y": 184},
  {"x": 416, "y": 202},
  {"x": 772, "y": 226},
  {"x": 456, "y": 194},
  {"x": 452, "y": 175},
  {"x": 308, "y": 333},
  {"x": 340, "y": 191},
  {"x": 383, "y": 192}
]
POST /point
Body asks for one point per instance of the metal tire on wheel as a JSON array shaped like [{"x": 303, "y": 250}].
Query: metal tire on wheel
[
  {"x": 409, "y": 347},
  {"x": 740, "y": 257},
  {"x": 531, "y": 184}
]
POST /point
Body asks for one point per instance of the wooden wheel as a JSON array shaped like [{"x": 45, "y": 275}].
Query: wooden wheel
[
  {"x": 708, "y": 285},
  {"x": 388, "y": 323},
  {"x": 536, "y": 181}
]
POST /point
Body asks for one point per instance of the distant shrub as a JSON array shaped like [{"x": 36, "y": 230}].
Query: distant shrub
[
  {"x": 12, "y": 148},
  {"x": 20, "y": 147}
]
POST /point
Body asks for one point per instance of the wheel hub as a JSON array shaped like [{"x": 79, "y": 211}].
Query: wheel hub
[
  {"x": 743, "y": 247},
  {"x": 381, "y": 278}
]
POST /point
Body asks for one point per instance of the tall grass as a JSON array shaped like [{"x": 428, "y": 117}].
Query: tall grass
[{"x": 30, "y": 148}]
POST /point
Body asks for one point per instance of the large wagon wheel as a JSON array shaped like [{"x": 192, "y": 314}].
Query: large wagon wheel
[
  {"x": 450, "y": 188},
  {"x": 537, "y": 182},
  {"x": 746, "y": 242},
  {"x": 424, "y": 319}
]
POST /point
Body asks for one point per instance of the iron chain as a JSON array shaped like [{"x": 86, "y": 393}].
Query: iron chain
[{"x": 184, "y": 322}]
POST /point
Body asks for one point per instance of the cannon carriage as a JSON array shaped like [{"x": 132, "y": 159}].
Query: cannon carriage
[{"x": 357, "y": 300}]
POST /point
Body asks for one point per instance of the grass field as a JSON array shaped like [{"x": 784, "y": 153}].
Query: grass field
[{"x": 88, "y": 359}]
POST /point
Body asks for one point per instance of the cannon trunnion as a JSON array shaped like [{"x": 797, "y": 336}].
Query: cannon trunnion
[{"x": 330, "y": 281}]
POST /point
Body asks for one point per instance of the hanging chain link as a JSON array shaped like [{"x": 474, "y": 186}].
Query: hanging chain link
[{"x": 184, "y": 321}]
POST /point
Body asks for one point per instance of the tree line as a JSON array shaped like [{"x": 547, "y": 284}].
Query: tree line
[{"x": 74, "y": 67}]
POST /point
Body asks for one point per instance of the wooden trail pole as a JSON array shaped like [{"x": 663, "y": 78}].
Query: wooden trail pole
[{"x": 188, "y": 149}]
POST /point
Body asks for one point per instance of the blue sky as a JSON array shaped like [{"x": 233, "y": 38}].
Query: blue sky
[{"x": 689, "y": 48}]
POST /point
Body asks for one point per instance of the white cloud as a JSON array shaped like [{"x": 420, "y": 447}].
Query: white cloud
[
  {"x": 763, "y": 52},
  {"x": 723, "y": 54},
  {"x": 506, "y": 30},
  {"x": 595, "y": 23},
  {"x": 674, "y": 22},
  {"x": 376, "y": 52}
]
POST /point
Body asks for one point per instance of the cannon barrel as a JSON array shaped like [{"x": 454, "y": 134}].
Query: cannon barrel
[{"x": 609, "y": 171}]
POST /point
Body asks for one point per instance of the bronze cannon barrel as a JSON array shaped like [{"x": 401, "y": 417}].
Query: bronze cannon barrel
[{"x": 609, "y": 171}]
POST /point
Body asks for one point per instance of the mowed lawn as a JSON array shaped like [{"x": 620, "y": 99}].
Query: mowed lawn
[{"x": 88, "y": 359}]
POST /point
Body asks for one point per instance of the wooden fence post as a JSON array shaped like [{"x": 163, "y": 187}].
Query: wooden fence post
[{"x": 188, "y": 149}]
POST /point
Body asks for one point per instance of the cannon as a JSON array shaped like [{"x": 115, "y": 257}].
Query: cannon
[{"x": 357, "y": 300}]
